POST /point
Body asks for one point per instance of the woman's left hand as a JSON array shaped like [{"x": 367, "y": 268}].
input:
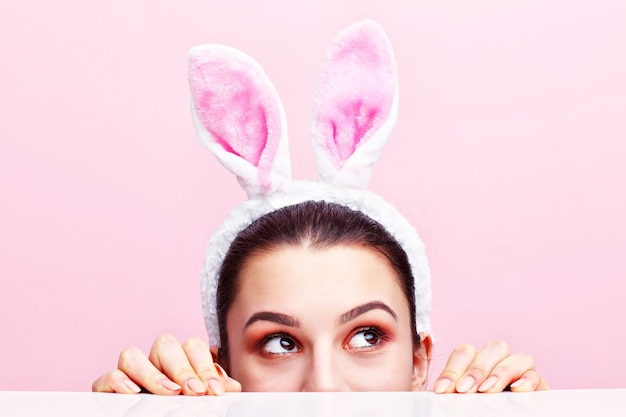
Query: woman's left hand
[{"x": 491, "y": 369}]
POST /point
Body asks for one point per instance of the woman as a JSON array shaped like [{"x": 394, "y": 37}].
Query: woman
[
  {"x": 315, "y": 297},
  {"x": 310, "y": 286}
]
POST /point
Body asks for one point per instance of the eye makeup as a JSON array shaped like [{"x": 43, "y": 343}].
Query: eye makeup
[
  {"x": 278, "y": 344},
  {"x": 366, "y": 338},
  {"x": 367, "y": 328}
]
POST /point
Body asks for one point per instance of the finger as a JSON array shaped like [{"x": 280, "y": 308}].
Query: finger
[
  {"x": 199, "y": 356},
  {"x": 459, "y": 361},
  {"x": 138, "y": 367},
  {"x": 115, "y": 381},
  {"x": 530, "y": 381},
  {"x": 479, "y": 373},
  {"x": 169, "y": 357},
  {"x": 508, "y": 371},
  {"x": 230, "y": 384}
]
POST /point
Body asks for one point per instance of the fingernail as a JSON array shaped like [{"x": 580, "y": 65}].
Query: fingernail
[
  {"x": 216, "y": 386},
  {"x": 196, "y": 386},
  {"x": 219, "y": 370},
  {"x": 489, "y": 383},
  {"x": 170, "y": 385},
  {"x": 518, "y": 383},
  {"x": 132, "y": 387},
  {"x": 465, "y": 384},
  {"x": 442, "y": 385}
]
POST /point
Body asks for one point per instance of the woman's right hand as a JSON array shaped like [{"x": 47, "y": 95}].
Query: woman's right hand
[{"x": 170, "y": 369}]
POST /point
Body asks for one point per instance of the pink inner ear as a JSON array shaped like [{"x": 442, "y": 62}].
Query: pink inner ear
[
  {"x": 352, "y": 121},
  {"x": 355, "y": 92},
  {"x": 235, "y": 118},
  {"x": 235, "y": 106}
]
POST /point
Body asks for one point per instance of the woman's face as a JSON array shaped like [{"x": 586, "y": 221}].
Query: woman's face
[{"x": 332, "y": 319}]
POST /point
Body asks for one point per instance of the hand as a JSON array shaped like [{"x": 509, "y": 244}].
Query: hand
[
  {"x": 491, "y": 370},
  {"x": 171, "y": 369}
]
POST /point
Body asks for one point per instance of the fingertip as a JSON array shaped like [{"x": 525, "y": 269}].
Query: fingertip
[
  {"x": 216, "y": 386},
  {"x": 115, "y": 381},
  {"x": 520, "y": 385},
  {"x": 131, "y": 387},
  {"x": 195, "y": 386},
  {"x": 488, "y": 384},
  {"x": 465, "y": 384},
  {"x": 121, "y": 383},
  {"x": 171, "y": 386},
  {"x": 99, "y": 386},
  {"x": 530, "y": 381},
  {"x": 442, "y": 385}
]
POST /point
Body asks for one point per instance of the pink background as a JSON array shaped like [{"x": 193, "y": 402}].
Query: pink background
[{"x": 509, "y": 157}]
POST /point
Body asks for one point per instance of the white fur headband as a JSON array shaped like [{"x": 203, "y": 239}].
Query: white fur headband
[{"x": 239, "y": 117}]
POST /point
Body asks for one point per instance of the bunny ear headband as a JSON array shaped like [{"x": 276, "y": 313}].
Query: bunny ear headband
[{"x": 239, "y": 117}]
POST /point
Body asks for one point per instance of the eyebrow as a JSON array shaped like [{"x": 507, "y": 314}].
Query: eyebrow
[
  {"x": 279, "y": 318},
  {"x": 349, "y": 315},
  {"x": 364, "y": 308}
]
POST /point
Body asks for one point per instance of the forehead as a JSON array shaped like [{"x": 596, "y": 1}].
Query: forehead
[{"x": 297, "y": 279}]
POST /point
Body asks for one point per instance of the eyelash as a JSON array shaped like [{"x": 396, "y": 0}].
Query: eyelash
[
  {"x": 382, "y": 335},
  {"x": 266, "y": 339}
]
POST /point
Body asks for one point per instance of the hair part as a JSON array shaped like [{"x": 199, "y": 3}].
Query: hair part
[{"x": 314, "y": 224}]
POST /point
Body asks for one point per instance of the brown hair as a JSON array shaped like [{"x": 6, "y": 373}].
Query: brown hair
[{"x": 318, "y": 224}]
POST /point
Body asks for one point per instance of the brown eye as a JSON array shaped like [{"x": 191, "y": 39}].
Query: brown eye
[
  {"x": 287, "y": 343},
  {"x": 365, "y": 338},
  {"x": 279, "y": 344}
]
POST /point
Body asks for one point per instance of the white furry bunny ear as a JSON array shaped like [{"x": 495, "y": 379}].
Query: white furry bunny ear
[
  {"x": 356, "y": 105},
  {"x": 239, "y": 117}
]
